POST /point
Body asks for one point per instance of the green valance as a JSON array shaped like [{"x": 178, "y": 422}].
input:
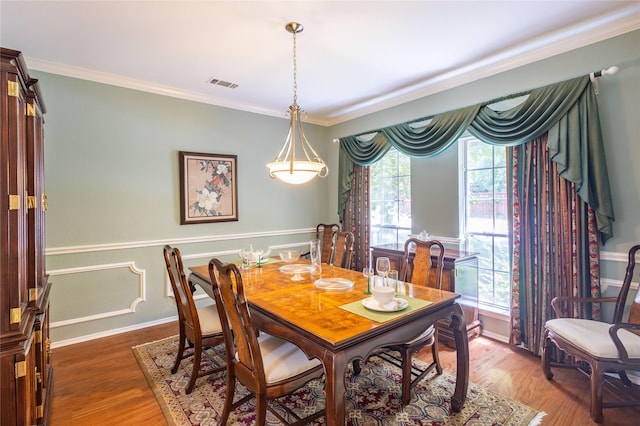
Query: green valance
[{"x": 568, "y": 111}]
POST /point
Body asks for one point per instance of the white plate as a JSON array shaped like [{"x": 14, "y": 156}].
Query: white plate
[
  {"x": 396, "y": 304},
  {"x": 296, "y": 268},
  {"x": 333, "y": 284}
]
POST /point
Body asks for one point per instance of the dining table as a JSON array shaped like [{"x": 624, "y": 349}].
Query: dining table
[{"x": 324, "y": 310}]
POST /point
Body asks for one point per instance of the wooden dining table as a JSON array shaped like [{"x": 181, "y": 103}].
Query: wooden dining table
[{"x": 333, "y": 326}]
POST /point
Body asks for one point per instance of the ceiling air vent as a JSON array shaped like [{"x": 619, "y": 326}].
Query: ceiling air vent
[{"x": 222, "y": 83}]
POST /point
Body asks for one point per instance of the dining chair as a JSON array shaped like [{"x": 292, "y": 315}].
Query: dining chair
[
  {"x": 268, "y": 366},
  {"x": 419, "y": 268},
  {"x": 324, "y": 233},
  {"x": 604, "y": 347},
  {"x": 199, "y": 328},
  {"x": 342, "y": 249}
]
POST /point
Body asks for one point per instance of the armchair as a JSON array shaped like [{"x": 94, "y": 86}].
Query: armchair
[{"x": 604, "y": 347}]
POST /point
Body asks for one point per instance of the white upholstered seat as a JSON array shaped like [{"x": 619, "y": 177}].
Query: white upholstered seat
[
  {"x": 606, "y": 348},
  {"x": 593, "y": 337},
  {"x": 282, "y": 359}
]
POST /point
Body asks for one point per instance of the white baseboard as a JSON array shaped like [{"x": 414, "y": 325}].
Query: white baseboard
[
  {"x": 111, "y": 332},
  {"x": 494, "y": 336}
]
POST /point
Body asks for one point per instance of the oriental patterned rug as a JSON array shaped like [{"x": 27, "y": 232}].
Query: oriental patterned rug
[{"x": 372, "y": 398}]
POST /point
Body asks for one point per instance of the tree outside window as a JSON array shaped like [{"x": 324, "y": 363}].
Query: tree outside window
[
  {"x": 484, "y": 218},
  {"x": 390, "y": 210}
]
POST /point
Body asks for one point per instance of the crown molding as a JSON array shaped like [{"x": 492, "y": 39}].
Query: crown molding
[
  {"x": 616, "y": 23},
  {"x": 620, "y": 22}
]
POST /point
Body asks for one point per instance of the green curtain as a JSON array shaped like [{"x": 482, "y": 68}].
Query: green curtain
[
  {"x": 357, "y": 216},
  {"x": 568, "y": 111},
  {"x": 361, "y": 151},
  {"x": 555, "y": 244}
]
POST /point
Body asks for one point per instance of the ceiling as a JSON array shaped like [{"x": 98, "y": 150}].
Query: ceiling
[{"x": 353, "y": 57}]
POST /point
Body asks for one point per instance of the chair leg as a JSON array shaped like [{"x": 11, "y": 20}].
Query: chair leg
[
  {"x": 261, "y": 409},
  {"x": 596, "y": 393},
  {"x": 435, "y": 355},
  {"x": 179, "y": 355},
  {"x": 228, "y": 402},
  {"x": 546, "y": 356},
  {"x": 405, "y": 355},
  {"x": 356, "y": 367},
  {"x": 197, "y": 357}
]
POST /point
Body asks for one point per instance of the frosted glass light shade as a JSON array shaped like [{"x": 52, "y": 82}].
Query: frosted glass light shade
[{"x": 296, "y": 172}]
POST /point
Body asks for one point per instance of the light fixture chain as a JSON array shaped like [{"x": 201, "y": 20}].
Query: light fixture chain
[
  {"x": 285, "y": 166},
  {"x": 295, "y": 71}
]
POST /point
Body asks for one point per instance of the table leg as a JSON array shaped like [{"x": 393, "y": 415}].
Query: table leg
[
  {"x": 459, "y": 329},
  {"x": 334, "y": 368}
]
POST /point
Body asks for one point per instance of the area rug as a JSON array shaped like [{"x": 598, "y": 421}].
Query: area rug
[{"x": 373, "y": 397}]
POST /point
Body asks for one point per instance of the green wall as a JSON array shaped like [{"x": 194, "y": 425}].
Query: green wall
[
  {"x": 112, "y": 179},
  {"x": 111, "y": 169},
  {"x": 435, "y": 207}
]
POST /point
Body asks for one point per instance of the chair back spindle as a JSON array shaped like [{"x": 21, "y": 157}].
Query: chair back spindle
[
  {"x": 232, "y": 305},
  {"x": 419, "y": 266},
  {"x": 324, "y": 232},
  {"x": 342, "y": 252}
]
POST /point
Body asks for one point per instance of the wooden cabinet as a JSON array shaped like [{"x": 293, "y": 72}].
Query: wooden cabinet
[
  {"x": 25, "y": 364},
  {"x": 459, "y": 275}
]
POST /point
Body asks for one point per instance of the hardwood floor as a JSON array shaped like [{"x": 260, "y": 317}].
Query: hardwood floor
[{"x": 98, "y": 383}]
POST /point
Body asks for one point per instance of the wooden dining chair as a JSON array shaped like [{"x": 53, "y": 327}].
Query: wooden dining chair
[
  {"x": 268, "y": 366},
  {"x": 604, "y": 347},
  {"x": 199, "y": 328},
  {"x": 342, "y": 249},
  {"x": 418, "y": 268},
  {"x": 324, "y": 233}
]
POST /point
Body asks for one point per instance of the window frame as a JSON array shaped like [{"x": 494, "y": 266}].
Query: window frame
[
  {"x": 492, "y": 307},
  {"x": 399, "y": 230}
]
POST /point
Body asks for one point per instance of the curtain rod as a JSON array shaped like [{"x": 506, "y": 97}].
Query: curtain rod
[{"x": 594, "y": 75}]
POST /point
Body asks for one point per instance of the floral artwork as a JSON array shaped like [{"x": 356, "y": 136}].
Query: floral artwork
[{"x": 208, "y": 188}]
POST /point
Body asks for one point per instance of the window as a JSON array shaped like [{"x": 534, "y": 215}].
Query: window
[
  {"x": 390, "y": 199},
  {"x": 483, "y": 217}
]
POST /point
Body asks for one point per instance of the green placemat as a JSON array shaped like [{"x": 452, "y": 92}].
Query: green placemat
[
  {"x": 270, "y": 261},
  {"x": 358, "y": 309}
]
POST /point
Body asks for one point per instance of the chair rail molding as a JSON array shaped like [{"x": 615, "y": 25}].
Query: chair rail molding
[
  {"x": 141, "y": 273},
  {"x": 54, "y": 251},
  {"x": 616, "y": 256}
]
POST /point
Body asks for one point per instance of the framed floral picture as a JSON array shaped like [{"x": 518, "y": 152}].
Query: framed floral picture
[{"x": 208, "y": 188}]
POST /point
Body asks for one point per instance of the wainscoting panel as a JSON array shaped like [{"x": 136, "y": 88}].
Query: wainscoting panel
[
  {"x": 102, "y": 289},
  {"x": 126, "y": 289}
]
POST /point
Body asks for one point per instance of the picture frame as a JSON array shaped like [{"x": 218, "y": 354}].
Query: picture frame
[{"x": 208, "y": 187}]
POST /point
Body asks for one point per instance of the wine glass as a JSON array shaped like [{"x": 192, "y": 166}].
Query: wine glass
[
  {"x": 255, "y": 256},
  {"x": 244, "y": 256},
  {"x": 368, "y": 272},
  {"x": 383, "y": 265}
]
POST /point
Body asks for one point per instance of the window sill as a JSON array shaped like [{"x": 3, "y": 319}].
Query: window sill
[{"x": 494, "y": 312}]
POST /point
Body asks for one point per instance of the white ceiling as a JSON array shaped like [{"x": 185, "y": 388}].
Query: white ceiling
[{"x": 354, "y": 57}]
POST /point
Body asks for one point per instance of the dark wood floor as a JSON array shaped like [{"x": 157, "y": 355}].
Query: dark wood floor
[{"x": 98, "y": 383}]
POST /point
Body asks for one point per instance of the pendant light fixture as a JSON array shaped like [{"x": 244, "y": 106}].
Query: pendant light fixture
[{"x": 286, "y": 166}]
